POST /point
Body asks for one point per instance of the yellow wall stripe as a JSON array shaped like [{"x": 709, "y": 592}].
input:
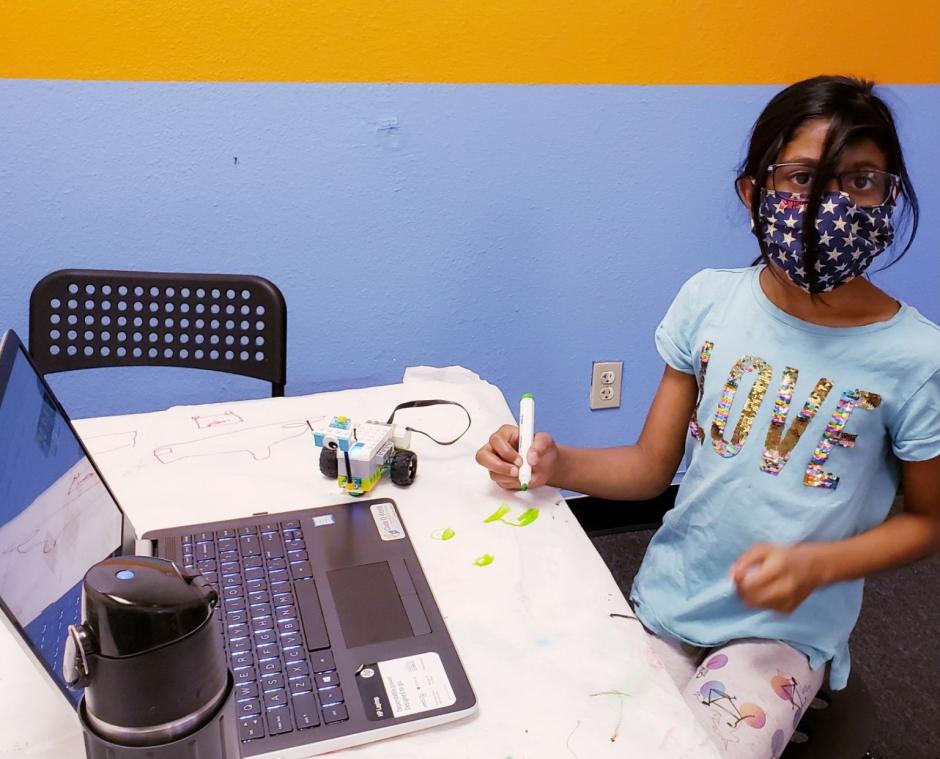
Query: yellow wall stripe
[{"x": 513, "y": 41}]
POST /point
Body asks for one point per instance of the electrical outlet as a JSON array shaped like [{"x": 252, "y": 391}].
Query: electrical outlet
[{"x": 606, "y": 378}]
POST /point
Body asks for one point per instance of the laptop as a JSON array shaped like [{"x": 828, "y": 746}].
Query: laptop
[{"x": 329, "y": 625}]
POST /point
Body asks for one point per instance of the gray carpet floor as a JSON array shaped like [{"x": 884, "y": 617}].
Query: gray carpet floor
[{"x": 895, "y": 646}]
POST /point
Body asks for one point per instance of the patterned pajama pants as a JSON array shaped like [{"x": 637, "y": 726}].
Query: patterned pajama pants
[{"x": 749, "y": 694}]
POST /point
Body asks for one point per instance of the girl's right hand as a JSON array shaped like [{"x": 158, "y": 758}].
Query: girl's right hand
[{"x": 501, "y": 457}]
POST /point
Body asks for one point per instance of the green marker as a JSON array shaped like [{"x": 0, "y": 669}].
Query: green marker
[{"x": 526, "y": 433}]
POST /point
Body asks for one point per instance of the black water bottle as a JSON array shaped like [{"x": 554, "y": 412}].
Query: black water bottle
[{"x": 149, "y": 655}]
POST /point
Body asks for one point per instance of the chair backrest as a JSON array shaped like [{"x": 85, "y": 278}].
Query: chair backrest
[{"x": 87, "y": 318}]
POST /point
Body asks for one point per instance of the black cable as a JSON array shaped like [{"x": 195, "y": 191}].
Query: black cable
[{"x": 431, "y": 402}]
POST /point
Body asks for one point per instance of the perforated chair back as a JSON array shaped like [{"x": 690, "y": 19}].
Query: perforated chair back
[{"x": 87, "y": 318}]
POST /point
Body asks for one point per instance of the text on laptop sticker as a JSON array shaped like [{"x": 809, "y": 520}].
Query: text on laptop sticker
[
  {"x": 387, "y": 521},
  {"x": 406, "y": 686}
]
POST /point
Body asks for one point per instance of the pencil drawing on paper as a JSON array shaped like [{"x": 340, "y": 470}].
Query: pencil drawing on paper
[
  {"x": 111, "y": 441},
  {"x": 258, "y": 442},
  {"x": 205, "y": 421}
]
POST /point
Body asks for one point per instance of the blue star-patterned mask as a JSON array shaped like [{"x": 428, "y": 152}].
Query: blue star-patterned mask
[{"x": 850, "y": 236}]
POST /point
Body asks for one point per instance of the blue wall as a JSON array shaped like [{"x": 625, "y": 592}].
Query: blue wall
[{"x": 521, "y": 231}]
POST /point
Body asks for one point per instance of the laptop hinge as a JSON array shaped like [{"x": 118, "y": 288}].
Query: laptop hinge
[{"x": 143, "y": 547}]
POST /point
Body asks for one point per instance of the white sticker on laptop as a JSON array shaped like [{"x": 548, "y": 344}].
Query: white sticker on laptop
[
  {"x": 416, "y": 684},
  {"x": 387, "y": 521}
]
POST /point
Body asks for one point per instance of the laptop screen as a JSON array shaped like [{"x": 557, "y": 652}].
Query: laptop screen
[{"x": 57, "y": 518}]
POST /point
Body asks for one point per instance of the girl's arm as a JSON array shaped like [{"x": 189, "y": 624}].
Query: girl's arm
[
  {"x": 781, "y": 577},
  {"x": 904, "y": 538},
  {"x": 629, "y": 472},
  {"x": 640, "y": 471}
]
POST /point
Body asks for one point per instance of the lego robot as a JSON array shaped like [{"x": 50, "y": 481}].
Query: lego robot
[{"x": 357, "y": 456}]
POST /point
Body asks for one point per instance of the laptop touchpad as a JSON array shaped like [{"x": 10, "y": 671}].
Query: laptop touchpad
[{"x": 369, "y": 605}]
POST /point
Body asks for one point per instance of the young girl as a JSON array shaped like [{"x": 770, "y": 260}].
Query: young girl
[{"x": 809, "y": 395}]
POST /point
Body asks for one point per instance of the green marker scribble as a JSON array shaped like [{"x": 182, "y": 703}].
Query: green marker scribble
[
  {"x": 484, "y": 560},
  {"x": 502, "y": 511},
  {"x": 622, "y": 697},
  {"x": 525, "y": 518},
  {"x": 445, "y": 534}
]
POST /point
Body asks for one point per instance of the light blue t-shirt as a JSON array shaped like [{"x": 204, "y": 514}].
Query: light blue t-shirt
[{"x": 796, "y": 437}]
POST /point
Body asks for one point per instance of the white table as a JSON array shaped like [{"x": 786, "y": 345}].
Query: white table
[{"x": 555, "y": 674}]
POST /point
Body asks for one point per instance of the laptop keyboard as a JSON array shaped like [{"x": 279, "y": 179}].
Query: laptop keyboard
[{"x": 272, "y": 626}]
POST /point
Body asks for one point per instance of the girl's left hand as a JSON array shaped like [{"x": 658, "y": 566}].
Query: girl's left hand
[{"x": 776, "y": 577}]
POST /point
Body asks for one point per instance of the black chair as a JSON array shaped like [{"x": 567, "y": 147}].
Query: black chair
[
  {"x": 837, "y": 725},
  {"x": 88, "y": 318}
]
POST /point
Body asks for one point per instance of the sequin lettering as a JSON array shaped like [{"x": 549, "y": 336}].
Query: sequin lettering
[
  {"x": 780, "y": 441},
  {"x": 754, "y": 399},
  {"x": 814, "y": 476},
  {"x": 776, "y": 454},
  {"x": 704, "y": 357}
]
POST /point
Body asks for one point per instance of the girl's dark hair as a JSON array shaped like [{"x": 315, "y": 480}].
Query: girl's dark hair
[{"x": 855, "y": 113}]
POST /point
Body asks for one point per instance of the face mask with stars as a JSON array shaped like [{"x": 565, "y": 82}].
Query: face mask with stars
[{"x": 850, "y": 236}]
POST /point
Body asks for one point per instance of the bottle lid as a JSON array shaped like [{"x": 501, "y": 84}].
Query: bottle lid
[{"x": 134, "y": 604}]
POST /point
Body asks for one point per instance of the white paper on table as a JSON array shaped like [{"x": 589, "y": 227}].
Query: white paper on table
[
  {"x": 557, "y": 668},
  {"x": 456, "y": 375}
]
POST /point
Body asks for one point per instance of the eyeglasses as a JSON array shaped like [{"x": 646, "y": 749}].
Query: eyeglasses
[{"x": 866, "y": 187}]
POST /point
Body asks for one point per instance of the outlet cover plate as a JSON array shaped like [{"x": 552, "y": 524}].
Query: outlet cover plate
[{"x": 600, "y": 374}]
